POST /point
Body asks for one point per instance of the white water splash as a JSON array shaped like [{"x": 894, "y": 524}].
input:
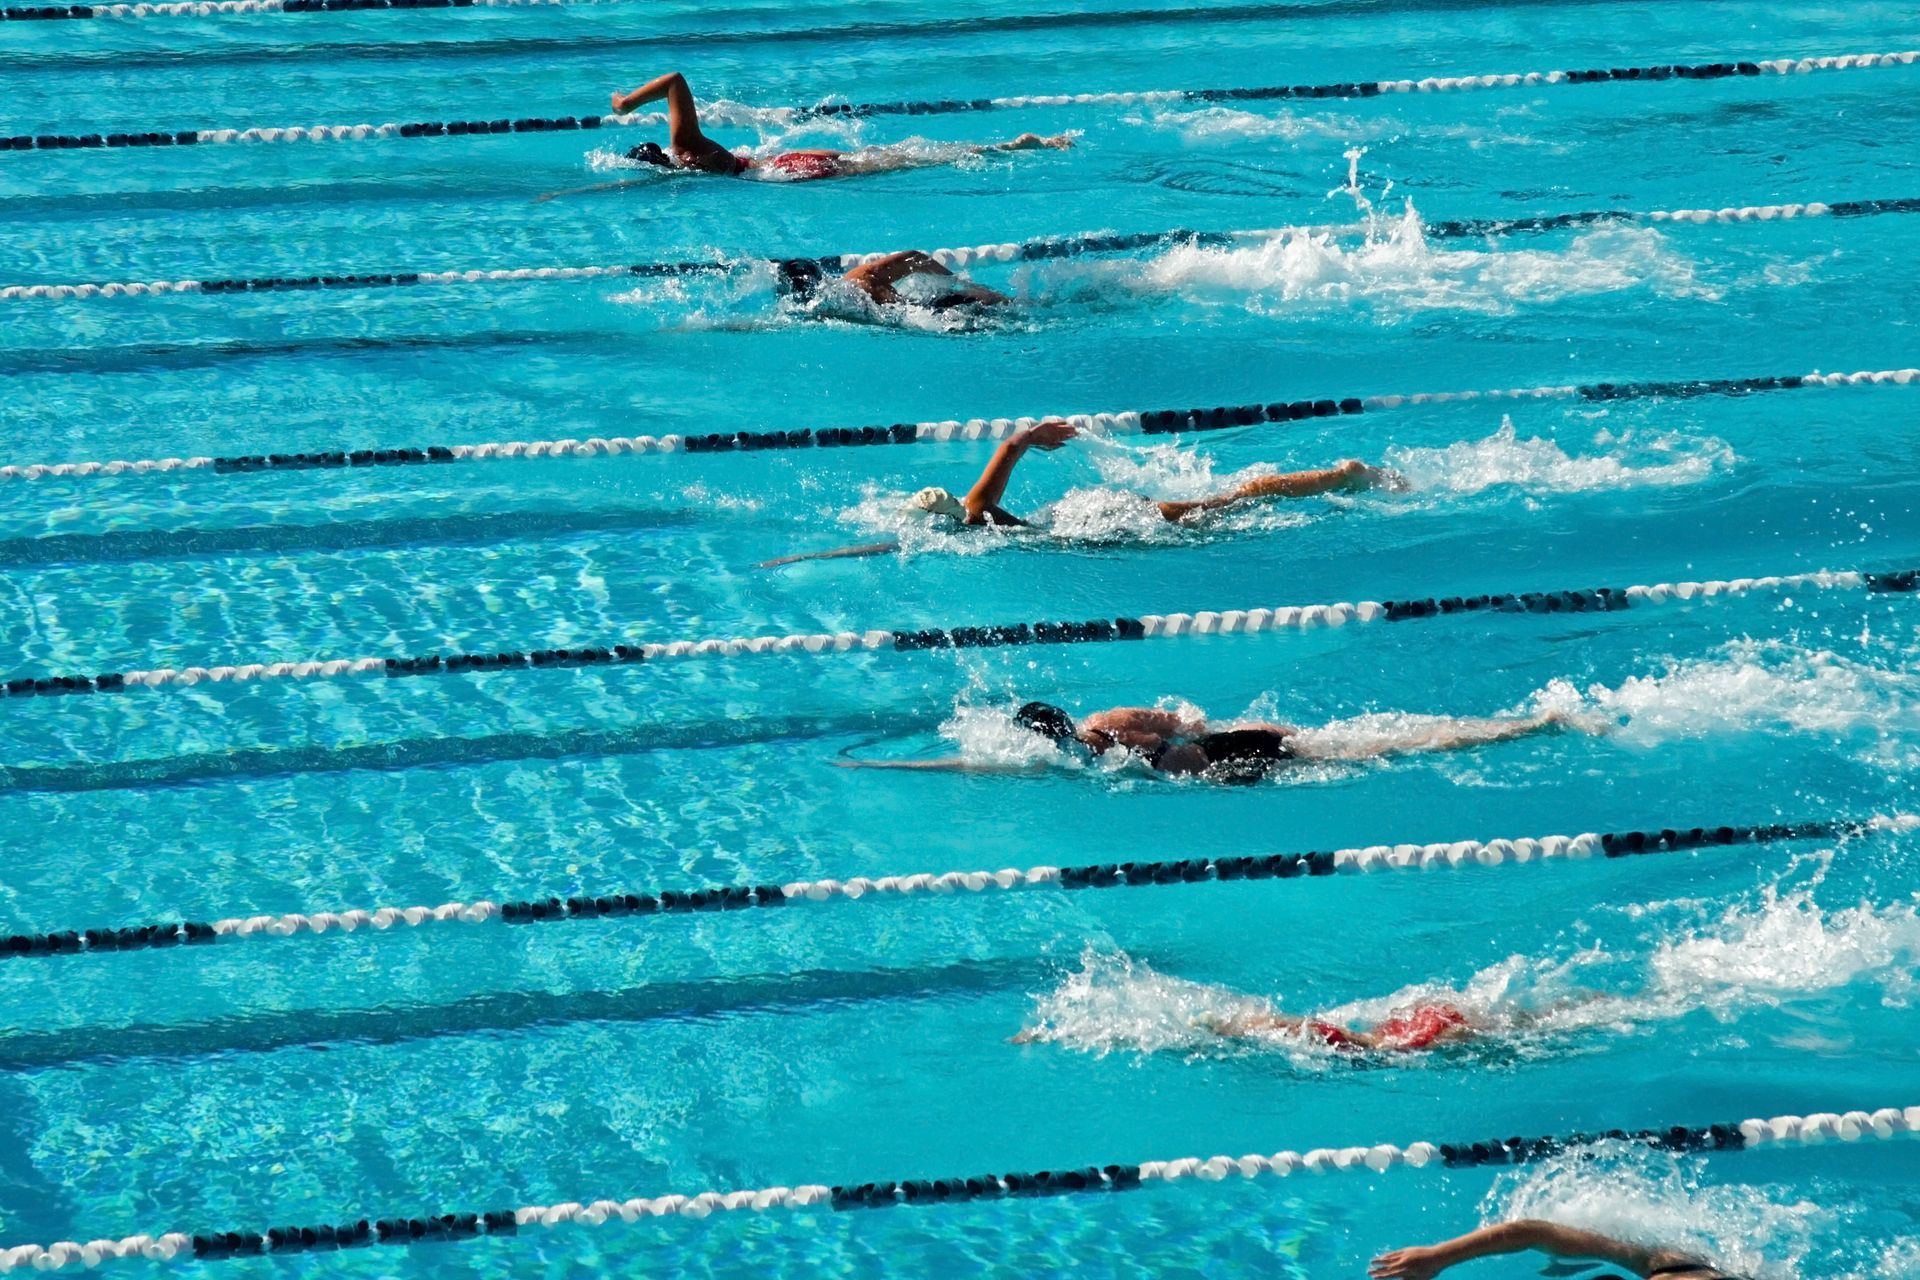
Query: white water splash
[
  {"x": 1789, "y": 945},
  {"x": 1751, "y": 686},
  {"x": 1536, "y": 465},
  {"x": 1628, "y": 1192},
  {"x": 1394, "y": 271},
  {"x": 1222, "y": 127},
  {"x": 1757, "y": 953}
]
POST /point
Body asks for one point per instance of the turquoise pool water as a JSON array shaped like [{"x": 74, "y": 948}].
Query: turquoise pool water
[{"x": 314, "y": 1080}]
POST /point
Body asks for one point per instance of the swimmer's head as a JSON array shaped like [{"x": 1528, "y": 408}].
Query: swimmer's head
[
  {"x": 936, "y": 501},
  {"x": 651, "y": 153},
  {"x": 799, "y": 277},
  {"x": 1047, "y": 720}
]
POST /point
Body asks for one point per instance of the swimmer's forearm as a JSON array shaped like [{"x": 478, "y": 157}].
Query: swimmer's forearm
[
  {"x": 994, "y": 478},
  {"x": 1551, "y": 1238}
]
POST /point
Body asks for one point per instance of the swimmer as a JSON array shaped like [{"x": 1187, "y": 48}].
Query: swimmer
[
  {"x": 1647, "y": 1261},
  {"x": 1181, "y": 745},
  {"x": 1425, "y": 1026},
  {"x": 982, "y": 506},
  {"x": 688, "y": 148},
  {"x": 908, "y": 278}
]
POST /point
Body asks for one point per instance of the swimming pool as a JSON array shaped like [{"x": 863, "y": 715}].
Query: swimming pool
[{"x": 413, "y": 1071}]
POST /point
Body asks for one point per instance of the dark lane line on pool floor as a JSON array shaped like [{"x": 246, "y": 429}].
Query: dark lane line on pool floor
[
  {"x": 200, "y": 355},
  {"x": 148, "y": 546},
  {"x": 499, "y": 1014},
  {"x": 261, "y": 763},
  {"x": 245, "y": 54}
]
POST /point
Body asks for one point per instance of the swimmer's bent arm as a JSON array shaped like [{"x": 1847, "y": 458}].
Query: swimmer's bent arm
[
  {"x": 683, "y": 120},
  {"x": 1420, "y": 1262},
  {"x": 983, "y": 500}
]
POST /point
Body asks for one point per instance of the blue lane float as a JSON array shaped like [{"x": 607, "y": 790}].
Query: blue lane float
[
  {"x": 1378, "y": 1158},
  {"x": 1149, "y": 422},
  {"x": 1092, "y": 631},
  {"x": 720, "y": 114},
  {"x": 1042, "y": 248},
  {"x": 1277, "y": 866}
]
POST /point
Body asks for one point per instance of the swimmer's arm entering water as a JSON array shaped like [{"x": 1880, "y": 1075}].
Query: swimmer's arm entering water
[
  {"x": 983, "y": 500},
  {"x": 877, "y": 279},
  {"x": 1421, "y": 1262},
  {"x": 838, "y": 553}
]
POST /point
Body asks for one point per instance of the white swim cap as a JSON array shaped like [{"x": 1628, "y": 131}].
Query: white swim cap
[{"x": 937, "y": 501}]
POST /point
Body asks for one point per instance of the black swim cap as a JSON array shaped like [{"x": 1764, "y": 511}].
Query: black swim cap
[
  {"x": 800, "y": 276},
  {"x": 650, "y": 153},
  {"x": 1047, "y": 720}
]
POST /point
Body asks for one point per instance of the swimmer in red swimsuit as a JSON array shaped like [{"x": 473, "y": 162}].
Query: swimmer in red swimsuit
[
  {"x": 1422, "y": 1027},
  {"x": 689, "y": 148}
]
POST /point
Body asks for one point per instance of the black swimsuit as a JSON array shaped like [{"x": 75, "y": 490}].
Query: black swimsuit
[{"x": 1234, "y": 755}]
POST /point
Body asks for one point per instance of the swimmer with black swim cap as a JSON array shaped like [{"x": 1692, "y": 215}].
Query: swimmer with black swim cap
[
  {"x": 909, "y": 278},
  {"x": 1650, "y": 1262},
  {"x": 1185, "y": 745},
  {"x": 690, "y": 149}
]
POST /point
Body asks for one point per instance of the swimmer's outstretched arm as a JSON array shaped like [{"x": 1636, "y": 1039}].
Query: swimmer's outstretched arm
[
  {"x": 1448, "y": 735},
  {"x": 983, "y": 500},
  {"x": 1028, "y": 142},
  {"x": 838, "y": 553},
  {"x": 1423, "y": 1261},
  {"x": 1344, "y": 477},
  {"x": 683, "y": 120}
]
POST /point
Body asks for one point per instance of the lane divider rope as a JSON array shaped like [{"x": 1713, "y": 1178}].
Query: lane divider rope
[
  {"x": 958, "y": 258},
  {"x": 731, "y": 113},
  {"x": 1279, "y": 866},
  {"x": 1125, "y": 422},
  {"x": 1146, "y": 627},
  {"x": 1744, "y": 1135}
]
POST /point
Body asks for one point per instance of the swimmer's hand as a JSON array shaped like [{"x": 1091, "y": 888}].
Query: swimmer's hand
[
  {"x": 1588, "y": 722},
  {"x": 1416, "y": 1263},
  {"x": 1047, "y": 436},
  {"x": 1362, "y": 475},
  {"x": 1028, "y": 1035},
  {"x": 1035, "y": 142}
]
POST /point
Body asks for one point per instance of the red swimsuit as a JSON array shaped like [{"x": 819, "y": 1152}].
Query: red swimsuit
[
  {"x": 802, "y": 165},
  {"x": 1418, "y": 1029}
]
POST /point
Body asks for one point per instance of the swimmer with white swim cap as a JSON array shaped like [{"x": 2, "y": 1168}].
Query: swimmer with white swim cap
[{"x": 981, "y": 506}]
